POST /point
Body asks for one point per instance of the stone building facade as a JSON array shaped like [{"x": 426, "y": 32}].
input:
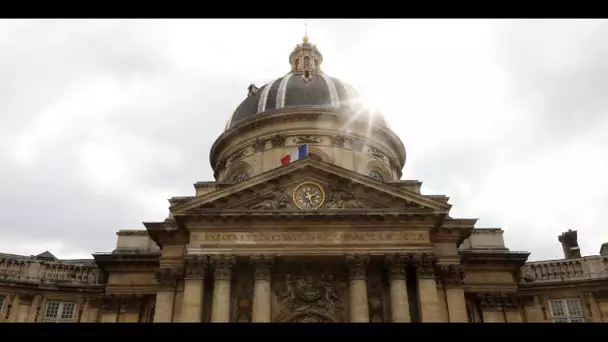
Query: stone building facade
[{"x": 332, "y": 237}]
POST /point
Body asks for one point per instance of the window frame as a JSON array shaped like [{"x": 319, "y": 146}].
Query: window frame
[
  {"x": 3, "y": 298},
  {"x": 244, "y": 175},
  {"x": 377, "y": 173},
  {"x": 60, "y": 312},
  {"x": 565, "y": 314}
]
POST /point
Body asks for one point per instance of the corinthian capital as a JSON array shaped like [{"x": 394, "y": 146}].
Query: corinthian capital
[
  {"x": 263, "y": 266},
  {"x": 167, "y": 277},
  {"x": 425, "y": 265},
  {"x": 195, "y": 267},
  {"x": 223, "y": 266},
  {"x": 397, "y": 265},
  {"x": 356, "y": 266}
]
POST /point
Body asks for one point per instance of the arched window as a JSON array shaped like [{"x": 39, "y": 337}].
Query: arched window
[
  {"x": 297, "y": 64},
  {"x": 375, "y": 175},
  {"x": 239, "y": 177},
  {"x": 306, "y": 62}
]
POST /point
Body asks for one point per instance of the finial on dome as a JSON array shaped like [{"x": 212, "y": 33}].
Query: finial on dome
[{"x": 306, "y": 59}]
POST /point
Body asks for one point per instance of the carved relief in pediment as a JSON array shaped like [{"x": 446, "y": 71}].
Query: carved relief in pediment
[
  {"x": 342, "y": 199},
  {"x": 275, "y": 200}
]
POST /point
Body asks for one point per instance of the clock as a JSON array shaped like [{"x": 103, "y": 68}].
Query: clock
[{"x": 308, "y": 196}]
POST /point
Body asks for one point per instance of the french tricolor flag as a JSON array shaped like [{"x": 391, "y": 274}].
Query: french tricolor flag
[{"x": 300, "y": 153}]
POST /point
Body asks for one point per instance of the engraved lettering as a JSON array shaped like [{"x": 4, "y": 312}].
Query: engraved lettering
[{"x": 310, "y": 237}]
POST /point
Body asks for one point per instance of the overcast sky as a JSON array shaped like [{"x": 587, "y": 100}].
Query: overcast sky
[{"x": 102, "y": 120}]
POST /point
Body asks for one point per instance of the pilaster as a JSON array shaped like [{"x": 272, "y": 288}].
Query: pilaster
[
  {"x": 167, "y": 279},
  {"x": 452, "y": 277}
]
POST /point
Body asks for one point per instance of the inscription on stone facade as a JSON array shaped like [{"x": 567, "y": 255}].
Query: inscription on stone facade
[{"x": 236, "y": 238}]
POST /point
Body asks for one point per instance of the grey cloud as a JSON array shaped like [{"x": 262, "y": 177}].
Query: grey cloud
[
  {"x": 177, "y": 114},
  {"x": 558, "y": 69}
]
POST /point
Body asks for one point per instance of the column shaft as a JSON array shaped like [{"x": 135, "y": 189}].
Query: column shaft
[
  {"x": 427, "y": 287},
  {"x": 400, "y": 306},
  {"x": 452, "y": 277},
  {"x": 261, "y": 289},
  {"x": 167, "y": 279},
  {"x": 220, "y": 309},
  {"x": 457, "y": 307},
  {"x": 358, "y": 306},
  {"x": 34, "y": 308},
  {"x": 194, "y": 288},
  {"x": 109, "y": 310}
]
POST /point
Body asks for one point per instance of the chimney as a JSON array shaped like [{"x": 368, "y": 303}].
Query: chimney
[
  {"x": 604, "y": 249},
  {"x": 570, "y": 244}
]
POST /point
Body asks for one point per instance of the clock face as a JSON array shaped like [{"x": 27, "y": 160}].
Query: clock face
[{"x": 308, "y": 196}]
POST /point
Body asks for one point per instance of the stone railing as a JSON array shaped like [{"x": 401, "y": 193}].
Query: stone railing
[
  {"x": 44, "y": 272},
  {"x": 592, "y": 267}
]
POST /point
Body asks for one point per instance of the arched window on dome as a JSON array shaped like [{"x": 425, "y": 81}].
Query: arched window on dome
[
  {"x": 306, "y": 62},
  {"x": 297, "y": 64},
  {"x": 240, "y": 176},
  {"x": 375, "y": 175},
  {"x": 315, "y": 63}
]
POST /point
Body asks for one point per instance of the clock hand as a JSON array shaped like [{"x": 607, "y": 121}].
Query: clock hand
[{"x": 309, "y": 197}]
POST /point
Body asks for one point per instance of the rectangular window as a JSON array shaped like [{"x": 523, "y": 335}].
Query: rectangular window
[
  {"x": 2, "y": 297},
  {"x": 566, "y": 310},
  {"x": 59, "y": 311}
]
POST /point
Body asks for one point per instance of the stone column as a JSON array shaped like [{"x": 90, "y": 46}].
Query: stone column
[
  {"x": 510, "y": 307},
  {"x": 491, "y": 308},
  {"x": 130, "y": 307},
  {"x": 358, "y": 306},
  {"x": 194, "y": 287},
  {"x": 261, "y": 289},
  {"x": 400, "y": 306},
  {"x": 25, "y": 302},
  {"x": 452, "y": 277},
  {"x": 34, "y": 309},
  {"x": 427, "y": 287},
  {"x": 109, "y": 310},
  {"x": 534, "y": 310},
  {"x": 167, "y": 278},
  {"x": 14, "y": 307},
  {"x": 220, "y": 309},
  {"x": 594, "y": 309}
]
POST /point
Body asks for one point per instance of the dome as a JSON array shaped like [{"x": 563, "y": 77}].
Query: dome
[{"x": 304, "y": 86}]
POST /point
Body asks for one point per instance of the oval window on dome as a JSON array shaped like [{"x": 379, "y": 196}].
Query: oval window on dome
[
  {"x": 239, "y": 177},
  {"x": 375, "y": 175}
]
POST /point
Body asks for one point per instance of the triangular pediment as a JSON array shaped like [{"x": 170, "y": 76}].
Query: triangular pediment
[{"x": 310, "y": 184}]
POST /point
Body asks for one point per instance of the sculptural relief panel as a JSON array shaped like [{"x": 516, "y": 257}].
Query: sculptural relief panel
[
  {"x": 242, "y": 296},
  {"x": 309, "y": 294}
]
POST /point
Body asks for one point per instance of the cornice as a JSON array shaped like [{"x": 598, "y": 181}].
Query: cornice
[
  {"x": 301, "y": 114},
  {"x": 375, "y": 184},
  {"x": 513, "y": 259}
]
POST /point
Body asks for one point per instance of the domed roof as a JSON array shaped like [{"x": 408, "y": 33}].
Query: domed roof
[{"x": 304, "y": 86}]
